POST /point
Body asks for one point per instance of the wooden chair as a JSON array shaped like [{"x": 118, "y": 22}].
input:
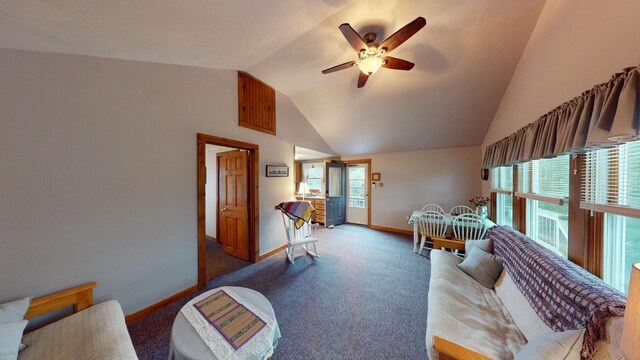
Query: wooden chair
[
  {"x": 432, "y": 225},
  {"x": 433, "y": 207},
  {"x": 460, "y": 210},
  {"x": 469, "y": 227},
  {"x": 302, "y": 237}
]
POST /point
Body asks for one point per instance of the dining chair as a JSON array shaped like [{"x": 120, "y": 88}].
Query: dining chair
[
  {"x": 469, "y": 227},
  {"x": 433, "y": 207},
  {"x": 431, "y": 224},
  {"x": 460, "y": 210}
]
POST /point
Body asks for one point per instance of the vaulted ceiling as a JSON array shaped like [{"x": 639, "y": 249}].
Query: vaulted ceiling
[{"x": 464, "y": 57}]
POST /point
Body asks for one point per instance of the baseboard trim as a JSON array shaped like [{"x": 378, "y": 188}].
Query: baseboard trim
[
  {"x": 160, "y": 304},
  {"x": 211, "y": 238},
  {"x": 393, "y": 230},
  {"x": 272, "y": 252}
]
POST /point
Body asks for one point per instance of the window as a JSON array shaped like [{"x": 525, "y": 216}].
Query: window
[
  {"x": 314, "y": 175},
  {"x": 503, "y": 186},
  {"x": 611, "y": 184},
  {"x": 621, "y": 248},
  {"x": 545, "y": 185},
  {"x": 356, "y": 187}
]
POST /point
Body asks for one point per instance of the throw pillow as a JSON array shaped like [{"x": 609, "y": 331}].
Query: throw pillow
[
  {"x": 14, "y": 310},
  {"x": 482, "y": 267},
  {"x": 10, "y": 335},
  {"x": 564, "y": 345},
  {"x": 485, "y": 245}
]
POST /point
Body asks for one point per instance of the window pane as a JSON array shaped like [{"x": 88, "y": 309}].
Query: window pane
[
  {"x": 315, "y": 173},
  {"x": 621, "y": 248},
  {"x": 315, "y": 184},
  {"x": 355, "y": 203},
  {"x": 335, "y": 181},
  {"x": 504, "y": 207},
  {"x": 548, "y": 224}
]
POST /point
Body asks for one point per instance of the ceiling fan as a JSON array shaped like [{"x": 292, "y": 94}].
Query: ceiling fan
[{"x": 371, "y": 55}]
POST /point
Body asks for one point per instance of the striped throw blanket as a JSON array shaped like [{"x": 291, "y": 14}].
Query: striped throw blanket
[
  {"x": 298, "y": 211},
  {"x": 564, "y": 295}
]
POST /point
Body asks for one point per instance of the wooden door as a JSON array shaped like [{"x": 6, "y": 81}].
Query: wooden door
[
  {"x": 336, "y": 195},
  {"x": 233, "y": 215}
]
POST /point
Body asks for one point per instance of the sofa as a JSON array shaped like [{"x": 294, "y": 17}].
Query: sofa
[
  {"x": 92, "y": 332},
  {"x": 479, "y": 322}
]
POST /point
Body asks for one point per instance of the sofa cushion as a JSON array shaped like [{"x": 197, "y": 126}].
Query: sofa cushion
[
  {"x": 10, "y": 335},
  {"x": 482, "y": 266},
  {"x": 14, "y": 310},
  {"x": 564, "y": 345},
  {"x": 522, "y": 313},
  {"x": 463, "y": 311},
  {"x": 98, "y": 332},
  {"x": 484, "y": 245}
]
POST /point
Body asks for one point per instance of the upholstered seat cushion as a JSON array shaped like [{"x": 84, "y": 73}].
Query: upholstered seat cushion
[
  {"x": 98, "y": 332},
  {"x": 464, "y": 312}
]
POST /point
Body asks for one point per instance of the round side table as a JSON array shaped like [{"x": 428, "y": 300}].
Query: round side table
[{"x": 186, "y": 344}]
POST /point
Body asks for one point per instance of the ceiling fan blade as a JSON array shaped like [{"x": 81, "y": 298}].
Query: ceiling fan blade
[
  {"x": 362, "y": 79},
  {"x": 352, "y": 37},
  {"x": 346, "y": 65},
  {"x": 402, "y": 35},
  {"x": 397, "y": 64}
]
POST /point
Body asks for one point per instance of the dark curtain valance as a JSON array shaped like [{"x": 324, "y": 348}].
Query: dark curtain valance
[{"x": 606, "y": 115}]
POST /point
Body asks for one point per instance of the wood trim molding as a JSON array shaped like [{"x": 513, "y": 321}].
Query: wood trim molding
[
  {"x": 595, "y": 244},
  {"x": 81, "y": 297},
  {"x": 393, "y": 230},
  {"x": 452, "y": 350},
  {"x": 578, "y": 218},
  {"x": 369, "y": 200},
  {"x": 253, "y": 198},
  {"x": 494, "y": 207},
  {"x": 272, "y": 252},
  {"x": 160, "y": 304}
]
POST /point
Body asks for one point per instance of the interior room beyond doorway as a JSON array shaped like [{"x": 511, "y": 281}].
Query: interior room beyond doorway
[{"x": 219, "y": 260}]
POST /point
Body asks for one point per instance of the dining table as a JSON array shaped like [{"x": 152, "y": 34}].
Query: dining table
[{"x": 448, "y": 218}]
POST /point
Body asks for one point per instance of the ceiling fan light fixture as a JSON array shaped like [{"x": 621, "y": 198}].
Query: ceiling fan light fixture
[{"x": 370, "y": 64}]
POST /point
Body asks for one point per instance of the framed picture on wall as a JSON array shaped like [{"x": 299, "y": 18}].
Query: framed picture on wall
[
  {"x": 375, "y": 177},
  {"x": 277, "y": 171}
]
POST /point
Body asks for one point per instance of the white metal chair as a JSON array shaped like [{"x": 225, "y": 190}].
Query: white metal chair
[
  {"x": 433, "y": 207},
  {"x": 431, "y": 224},
  {"x": 469, "y": 227},
  {"x": 302, "y": 237},
  {"x": 460, "y": 210}
]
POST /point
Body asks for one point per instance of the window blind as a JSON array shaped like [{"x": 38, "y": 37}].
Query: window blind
[
  {"x": 611, "y": 180},
  {"x": 544, "y": 180}
]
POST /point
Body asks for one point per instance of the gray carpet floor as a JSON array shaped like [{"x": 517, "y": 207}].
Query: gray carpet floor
[
  {"x": 364, "y": 298},
  {"x": 219, "y": 263}
]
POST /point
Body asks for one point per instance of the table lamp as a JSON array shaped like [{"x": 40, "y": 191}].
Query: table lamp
[
  {"x": 630, "y": 343},
  {"x": 303, "y": 189}
]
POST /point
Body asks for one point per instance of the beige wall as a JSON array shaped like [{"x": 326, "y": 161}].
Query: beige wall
[
  {"x": 411, "y": 179},
  {"x": 575, "y": 45},
  {"x": 98, "y": 172}
]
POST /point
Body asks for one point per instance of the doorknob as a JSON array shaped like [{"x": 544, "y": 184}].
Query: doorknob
[{"x": 223, "y": 209}]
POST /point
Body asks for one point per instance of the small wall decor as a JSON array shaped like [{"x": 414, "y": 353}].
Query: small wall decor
[
  {"x": 277, "y": 171},
  {"x": 375, "y": 176}
]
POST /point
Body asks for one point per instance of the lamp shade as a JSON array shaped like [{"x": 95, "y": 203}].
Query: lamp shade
[
  {"x": 303, "y": 188},
  {"x": 370, "y": 64},
  {"x": 630, "y": 343}
]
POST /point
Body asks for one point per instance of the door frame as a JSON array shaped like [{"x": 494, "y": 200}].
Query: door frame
[
  {"x": 368, "y": 162},
  {"x": 252, "y": 196}
]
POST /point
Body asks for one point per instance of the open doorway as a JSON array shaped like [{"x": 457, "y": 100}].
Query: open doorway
[
  {"x": 230, "y": 206},
  {"x": 226, "y": 210}
]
